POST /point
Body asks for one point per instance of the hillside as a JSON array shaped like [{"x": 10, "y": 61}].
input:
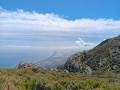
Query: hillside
[
  {"x": 102, "y": 59},
  {"x": 45, "y": 79}
]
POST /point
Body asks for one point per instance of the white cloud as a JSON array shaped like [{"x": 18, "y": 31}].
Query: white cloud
[
  {"x": 21, "y": 29},
  {"x": 85, "y": 45},
  {"x": 22, "y": 20}
]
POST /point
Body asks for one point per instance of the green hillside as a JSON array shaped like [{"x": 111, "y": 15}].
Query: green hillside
[{"x": 103, "y": 58}]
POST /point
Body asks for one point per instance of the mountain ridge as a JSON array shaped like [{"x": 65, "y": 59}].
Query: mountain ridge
[{"x": 103, "y": 58}]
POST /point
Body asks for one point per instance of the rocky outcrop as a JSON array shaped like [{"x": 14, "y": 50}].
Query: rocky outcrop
[
  {"x": 55, "y": 69},
  {"x": 26, "y": 65},
  {"x": 75, "y": 64},
  {"x": 104, "y": 57},
  {"x": 66, "y": 71}
]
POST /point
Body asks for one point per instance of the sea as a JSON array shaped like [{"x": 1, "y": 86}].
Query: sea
[{"x": 9, "y": 58}]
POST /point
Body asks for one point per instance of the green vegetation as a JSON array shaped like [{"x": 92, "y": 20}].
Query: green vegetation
[
  {"x": 103, "y": 58},
  {"x": 1, "y": 81},
  {"x": 43, "y": 79}
]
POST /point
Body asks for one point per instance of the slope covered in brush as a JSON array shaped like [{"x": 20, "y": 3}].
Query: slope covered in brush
[
  {"x": 45, "y": 79},
  {"x": 103, "y": 58}
]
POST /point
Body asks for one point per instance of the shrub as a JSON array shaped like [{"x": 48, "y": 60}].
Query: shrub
[
  {"x": 1, "y": 81},
  {"x": 76, "y": 73},
  {"x": 9, "y": 70},
  {"x": 58, "y": 87},
  {"x": 75, "y": 87},
  {"x": 93, "y": 84},
  {"x": 36, "y": 70}
]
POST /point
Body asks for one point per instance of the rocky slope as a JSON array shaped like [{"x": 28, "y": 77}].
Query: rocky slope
[{"x": 103, "y": 58}]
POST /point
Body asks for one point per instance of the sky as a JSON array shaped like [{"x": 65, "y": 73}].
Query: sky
[
  {"x": 68, "y": 9},
  {"x": 54, "y": 24}
]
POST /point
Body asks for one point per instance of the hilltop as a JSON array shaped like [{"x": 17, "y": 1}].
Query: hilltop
[{"x": 104, "y": 58}]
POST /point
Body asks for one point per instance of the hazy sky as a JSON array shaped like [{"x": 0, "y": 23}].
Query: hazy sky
[{"x": 57, "y": 24}]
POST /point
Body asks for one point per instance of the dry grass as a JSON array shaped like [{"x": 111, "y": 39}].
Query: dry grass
[{"x": 44, "y": 79}]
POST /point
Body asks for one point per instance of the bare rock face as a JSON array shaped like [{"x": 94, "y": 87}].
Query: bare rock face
[
  {"x": 26, "y": 65},
  {"x": 88, "y": 70},
  {"x": 66, "y": 71},
  {"x": 76, "y": 64},
  {"x": 55, "y": 69}
]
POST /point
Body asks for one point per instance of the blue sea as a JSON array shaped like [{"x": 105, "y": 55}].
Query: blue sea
[{"x": 11, "y": 57}]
